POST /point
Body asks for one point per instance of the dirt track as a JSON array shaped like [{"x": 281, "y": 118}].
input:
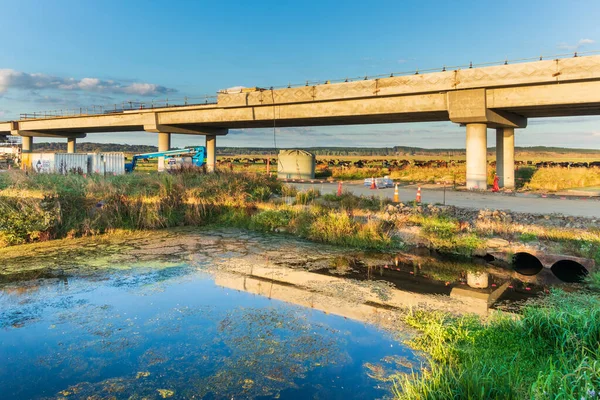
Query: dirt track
[{"x": 528, "y": 203}]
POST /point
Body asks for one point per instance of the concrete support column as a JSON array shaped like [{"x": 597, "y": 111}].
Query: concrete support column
[
  {"x": 71, "y": 145},
  {"x": 211, "y": 153},
  {"x": 477, "y": 156},
  {"x": 505, "y": 157},
  {"x": 164, "y": 144},
  {"x": 26, "y": 144}
]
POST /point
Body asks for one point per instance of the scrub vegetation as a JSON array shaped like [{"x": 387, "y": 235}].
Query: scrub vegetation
[
  {"x": 40, "y": 207},
  {"x": 551, "y": 351}
]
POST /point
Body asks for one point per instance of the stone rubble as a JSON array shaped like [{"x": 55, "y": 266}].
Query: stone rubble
[{"x": 471, "y": 215}]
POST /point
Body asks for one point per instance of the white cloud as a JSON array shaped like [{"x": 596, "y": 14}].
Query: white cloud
[
  {"x": 11, "y": 79},
  {"x": 576, "y": 46}
]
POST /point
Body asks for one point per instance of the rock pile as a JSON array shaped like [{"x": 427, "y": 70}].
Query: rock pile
[{"x": 471, "y": 215}]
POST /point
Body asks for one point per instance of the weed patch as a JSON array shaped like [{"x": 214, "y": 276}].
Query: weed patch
[{"x": 550, "y": 352}]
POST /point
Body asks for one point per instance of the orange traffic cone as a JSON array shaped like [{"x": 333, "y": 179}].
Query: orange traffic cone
[
  {"x": 396, "y": 194},
  {"x": 373, "y": 185},
  {"x": 418, "y": 200},
  {"x": 339, "y": 191}
]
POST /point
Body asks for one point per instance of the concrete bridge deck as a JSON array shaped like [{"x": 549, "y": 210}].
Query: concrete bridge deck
[{"x": 501, "y": 97}]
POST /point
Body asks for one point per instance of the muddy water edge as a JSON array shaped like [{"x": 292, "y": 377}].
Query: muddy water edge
[{"x": 189, "y": 313}]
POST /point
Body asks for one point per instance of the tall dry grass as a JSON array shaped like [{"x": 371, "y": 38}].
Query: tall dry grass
[
  {"x": 558, "y": 178},
  {"x": 452, "y": 175},
  {"x": 75, "y": 205},
  {"x": 354, "y": 173}
]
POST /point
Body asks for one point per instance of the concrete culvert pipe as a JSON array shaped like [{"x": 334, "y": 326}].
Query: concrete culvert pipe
[
  {"x": 526, "y": 264},
  {"x": 569, "y": 271}
]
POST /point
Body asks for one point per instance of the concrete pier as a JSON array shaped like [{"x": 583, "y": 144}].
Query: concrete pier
[
  {"x": 477, "y": 156},
  {"x": 27, "y": 144},
  {"x": 164, "y": 144},
  {"x": 211, "y": 153},
  {"x": 505, "y": 157},
  {"x": 71, "y": 145}
]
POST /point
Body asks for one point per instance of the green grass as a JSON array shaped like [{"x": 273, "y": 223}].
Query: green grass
[
  {"x": 444, "y": 234},
  {"x": 551, "y": 352},
  {"x": 326, "y": 226},
  {"x": 527, "y": 237},
  {"x": 39, "y": 207},
  {"x": 441, "y": 227},
  {"x": 307, "y": 196}
]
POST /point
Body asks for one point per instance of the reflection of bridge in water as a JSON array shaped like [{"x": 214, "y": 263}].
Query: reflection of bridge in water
[{"x": 341, "y": 293}]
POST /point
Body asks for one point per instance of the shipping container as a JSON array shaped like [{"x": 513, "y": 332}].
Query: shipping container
[
  {"x": 106, "y": 163},
  {"x": 56, "y": 163}
]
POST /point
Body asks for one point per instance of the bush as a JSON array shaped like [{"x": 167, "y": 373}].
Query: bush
[
  {"x": 269, "y": 220},
  {"x": 25, "y": 220},
  {"x": 523, "y": 176}
]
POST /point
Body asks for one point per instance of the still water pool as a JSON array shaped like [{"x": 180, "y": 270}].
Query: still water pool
[{"x": 153, "y": 333}]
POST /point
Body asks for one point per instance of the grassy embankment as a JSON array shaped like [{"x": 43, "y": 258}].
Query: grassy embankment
[
  {"x": 43, "y": 207},
  {"x": 551, "y": 351}
]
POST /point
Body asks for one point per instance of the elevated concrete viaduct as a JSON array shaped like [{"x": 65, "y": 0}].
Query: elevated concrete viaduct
[{"x": 500, "y": 97}]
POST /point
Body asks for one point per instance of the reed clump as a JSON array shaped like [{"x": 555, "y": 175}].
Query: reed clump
[{"x": 42, "y": 207}]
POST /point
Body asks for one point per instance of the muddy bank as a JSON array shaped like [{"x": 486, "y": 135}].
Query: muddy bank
[{"x": 320, "y": 275}]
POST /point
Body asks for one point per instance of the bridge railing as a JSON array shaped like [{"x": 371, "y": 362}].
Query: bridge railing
[
  {"x": 121, "y": 107},
  {"x": 442, "y": 69}
]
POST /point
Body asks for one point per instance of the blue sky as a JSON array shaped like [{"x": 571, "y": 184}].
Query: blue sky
[{"x": 60, "y": 54}]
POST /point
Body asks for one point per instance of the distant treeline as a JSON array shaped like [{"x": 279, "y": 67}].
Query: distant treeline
[{"x": 320, "y": 151}]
